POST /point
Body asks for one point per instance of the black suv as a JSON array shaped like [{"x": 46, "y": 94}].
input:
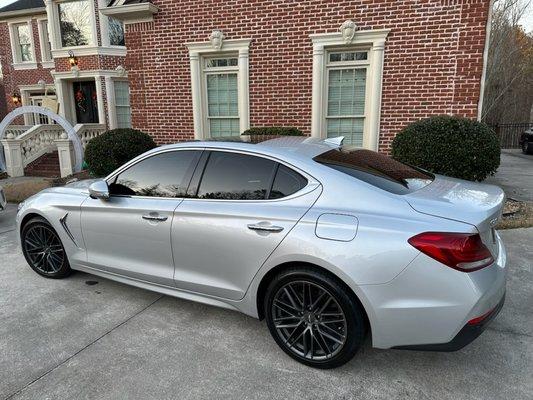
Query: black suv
[{"x": 526, "y": 141}]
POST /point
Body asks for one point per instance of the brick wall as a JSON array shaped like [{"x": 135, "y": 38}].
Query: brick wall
[
  {"x": 13, "y": 78},
  {"x": 433, "y": 58}
]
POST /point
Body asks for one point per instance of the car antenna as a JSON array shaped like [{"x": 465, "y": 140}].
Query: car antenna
[{"x": 336, "y": 141}]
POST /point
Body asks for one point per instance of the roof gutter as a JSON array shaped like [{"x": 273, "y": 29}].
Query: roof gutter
[{"x": 20, "y": 13}]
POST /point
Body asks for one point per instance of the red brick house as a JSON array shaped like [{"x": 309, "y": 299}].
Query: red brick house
[{"x": 194, "y": 69}]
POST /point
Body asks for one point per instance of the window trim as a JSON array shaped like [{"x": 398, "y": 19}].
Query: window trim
[
  {"x": 115, "y": 105},
  {"x": 197, "y": 53},
  {"x": 57, "y": 42},
  {"x": 18, "y": 64},
  {"x": 323, "y": 43}
]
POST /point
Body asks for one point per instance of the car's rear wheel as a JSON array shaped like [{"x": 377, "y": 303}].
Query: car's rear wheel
[
  {"x": 43, "y": 249},
  {"x": 313, "y": 318}
]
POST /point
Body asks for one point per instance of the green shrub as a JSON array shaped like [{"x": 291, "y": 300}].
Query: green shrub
[
  {"x": 113, "y": 148},
  {"x": 274, "y": 130},
  {"x": 452, "y": 146}
]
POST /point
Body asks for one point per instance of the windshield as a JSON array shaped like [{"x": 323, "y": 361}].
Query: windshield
[{"x": 376, "y": 169}]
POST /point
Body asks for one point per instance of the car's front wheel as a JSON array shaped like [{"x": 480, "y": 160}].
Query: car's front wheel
[
  {"x": 43, "y": 249},
  {"x": 314, "y": 318}
]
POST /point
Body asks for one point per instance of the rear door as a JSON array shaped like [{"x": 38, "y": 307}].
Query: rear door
[
  {"x": 129, "y": 234},
  {"x": 244, "y": 206}
]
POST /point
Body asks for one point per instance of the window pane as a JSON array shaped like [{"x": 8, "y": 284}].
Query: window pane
[
  {"x": 376, "y": 169},
  {"x": 163, "y": 175},
  {"x": 286, "y": 183},
  {"x": 122, "y": 104},
  {"x": 348, "y": 56},
  {"x": 233, "y": 176},
  {"x": 221, "y": 62},
  {"x": 75, "y": 23},
  {"x": 47, "y": 56},
  {"x": 116, "y": 32},
  {"x": 24, "y": 39},
  {"x": 346, "y": 92},
  {"x": 222, "y": 102},
  {"x": 350, "y": 128}
]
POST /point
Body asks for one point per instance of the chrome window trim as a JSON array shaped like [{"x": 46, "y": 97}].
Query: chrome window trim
[{"x": 312, "y": 182}]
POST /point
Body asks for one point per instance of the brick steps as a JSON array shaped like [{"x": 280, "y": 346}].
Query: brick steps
[{"x": 45, "y": 166}]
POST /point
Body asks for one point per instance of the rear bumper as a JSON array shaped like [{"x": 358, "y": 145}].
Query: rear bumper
[{"x": 465, "y": 336}]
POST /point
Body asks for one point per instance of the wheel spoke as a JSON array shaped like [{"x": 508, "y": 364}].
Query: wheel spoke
[
  {"x": 43, "y": 248},
  {"x": 330, "y": 336},
  {"x": 285, "y": 308}
]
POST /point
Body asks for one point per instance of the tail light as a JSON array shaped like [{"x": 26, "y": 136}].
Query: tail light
[{"x": 462, "y": 251}]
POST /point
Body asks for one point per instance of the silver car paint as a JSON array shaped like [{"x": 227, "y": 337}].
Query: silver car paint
[{"x": 400, "y": 288}]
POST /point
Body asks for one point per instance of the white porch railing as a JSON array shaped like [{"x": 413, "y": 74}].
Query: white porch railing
[
  {"x": 35, "y": 141},
  {"x": 12, "y": 131}
]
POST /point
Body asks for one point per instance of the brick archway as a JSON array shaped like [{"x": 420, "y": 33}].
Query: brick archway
[{"x": 71, "y": 133}]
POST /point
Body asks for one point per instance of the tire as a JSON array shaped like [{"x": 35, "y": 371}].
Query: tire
[
  {"x": 527, "y": 148},
  {"x": 305, "y": 334},
  {"x": 43, "y": 250}
]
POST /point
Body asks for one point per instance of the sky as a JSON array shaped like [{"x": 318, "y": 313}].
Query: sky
[{"x": 526, "y": 21}]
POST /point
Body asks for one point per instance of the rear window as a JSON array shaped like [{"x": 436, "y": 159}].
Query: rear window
[{"x": 376, "y": 169}]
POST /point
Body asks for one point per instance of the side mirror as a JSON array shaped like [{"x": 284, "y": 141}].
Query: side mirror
[{"x": 99, "y": 190}]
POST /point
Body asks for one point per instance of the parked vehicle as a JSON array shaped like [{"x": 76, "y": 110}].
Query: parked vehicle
[
  {"x": 3, "y": 200},
  {"x": 526, "y": 141},
  {"x": 327, "y": 243}
]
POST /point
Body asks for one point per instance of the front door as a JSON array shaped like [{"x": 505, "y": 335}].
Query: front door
[
  {"x": 244, "y": 208},
  {"x": 85, "y": 102},
  {"x": 129, "y": 234}
]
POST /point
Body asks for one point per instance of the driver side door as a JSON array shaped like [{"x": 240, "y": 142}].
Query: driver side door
[{"x": 129, "y": 234}]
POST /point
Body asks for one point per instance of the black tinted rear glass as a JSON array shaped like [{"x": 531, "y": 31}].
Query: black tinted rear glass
[
  {"x": 286, "y": 183},
  {"x": 376, "y": 169}
]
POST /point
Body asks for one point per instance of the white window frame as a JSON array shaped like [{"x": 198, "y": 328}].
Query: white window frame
[
  {"x": 44, "y": 37},
  {"x": 56, "y": 39},
  {"x": 115, "y": 105},
  {"x": 18, "y": 64},
  {"x": 213, "y": 71},
  {"x": 198, "y": 52},
  {"x": 336, "y": 65},
  {"x": 374, "y": 41}
]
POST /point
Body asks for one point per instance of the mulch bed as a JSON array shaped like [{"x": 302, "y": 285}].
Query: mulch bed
[{"x": 516, "y": 214}]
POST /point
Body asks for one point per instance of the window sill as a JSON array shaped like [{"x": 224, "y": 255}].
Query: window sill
[
  {"x": 48, "y": 64},
  {"x": 24, "y": 65}
]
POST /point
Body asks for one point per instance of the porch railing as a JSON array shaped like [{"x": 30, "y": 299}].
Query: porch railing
[
  {"x": 25, "y": 144},
  {"x": 509, "y": 134}
]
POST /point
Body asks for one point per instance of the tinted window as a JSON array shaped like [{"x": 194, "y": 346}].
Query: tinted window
[
  {"x": 286, "y": 183},
  {"x": 233, "y": 176},
  {"x": 376, "y": 169},
  {"x": 163, "y": 175}
]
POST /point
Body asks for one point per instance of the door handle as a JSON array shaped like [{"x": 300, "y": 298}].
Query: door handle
[
  {"x": 265, "y": 228},
  {"x": 150, "y": 217}
]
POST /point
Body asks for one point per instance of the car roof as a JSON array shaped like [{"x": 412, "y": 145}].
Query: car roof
[{"x": 290, "y": 147}]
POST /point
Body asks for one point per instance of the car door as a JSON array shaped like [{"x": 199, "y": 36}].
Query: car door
[
  {"x": 244, "y": 206},
  {"x": 129, "y": 234}
]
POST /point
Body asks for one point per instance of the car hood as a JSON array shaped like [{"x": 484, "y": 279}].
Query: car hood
[{"x": 77, "y": 187}]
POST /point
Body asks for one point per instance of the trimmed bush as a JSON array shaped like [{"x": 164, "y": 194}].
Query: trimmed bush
[
  {"x": 113, "y": 148},
  {"x": 274, "y": 130},
  {"x": 452, "y": 146}
]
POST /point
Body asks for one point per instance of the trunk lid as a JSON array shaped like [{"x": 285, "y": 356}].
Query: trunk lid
[{"x": 477, "y": 204}]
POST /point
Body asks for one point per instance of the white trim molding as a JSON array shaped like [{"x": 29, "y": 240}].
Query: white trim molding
[
  {"x": 374, "y": 41},
  {"x": 131, "y": 13},
  {"x": 197, "y": 52},
  {"x": 90, "y": 51},
  {"x": 18, "y": 64}
]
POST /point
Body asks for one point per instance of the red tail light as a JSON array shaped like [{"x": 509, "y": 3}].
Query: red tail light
[{"x": 462, "y": 251}]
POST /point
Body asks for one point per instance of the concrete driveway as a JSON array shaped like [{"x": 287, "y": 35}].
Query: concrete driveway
[
  {"x": 74, "y": 339},
  {"x": 515, "y": 175}
]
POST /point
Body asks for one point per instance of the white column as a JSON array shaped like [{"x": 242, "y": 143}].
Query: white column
[
  {"x": 13, "y": 154},
  {"x": 100, "y": 101},
  {"x": 371, "y": 139},
  {"x": 111, "y": 109},
  {"x": 317, "y": 93},
  {"x": 104, "y": 23},
  {"x": 196, "y": 96},
  {"x": 66, "y": 157},
  {"x": 243, "y": 95},
  {"x": 53, "y": 33},
  {"x": 60, "y": 95}
]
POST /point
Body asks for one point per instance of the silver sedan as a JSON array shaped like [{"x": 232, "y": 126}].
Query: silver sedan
[{"x": 329, "y": 244}]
